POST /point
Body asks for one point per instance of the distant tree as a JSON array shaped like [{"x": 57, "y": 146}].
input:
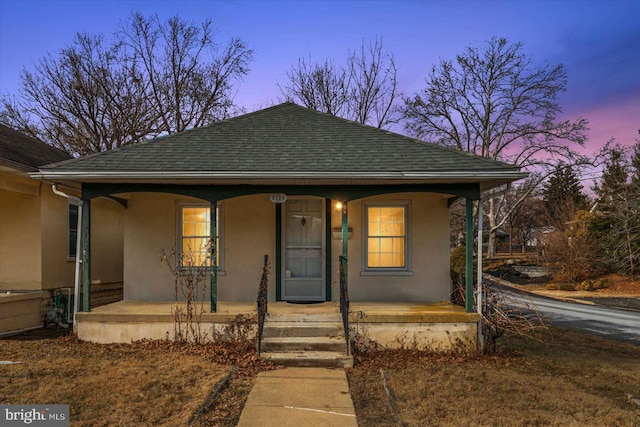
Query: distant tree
[
  {"x": 525, "y": 221},
  {"x": 496, "y": 103},
  {"x": 617, "y": 221},
  {"x": 562, "y": 187},
  {"x": 152, "y": 78},
  {"x": 571, "y": 248},
  {"x": 365, "y": 90}
]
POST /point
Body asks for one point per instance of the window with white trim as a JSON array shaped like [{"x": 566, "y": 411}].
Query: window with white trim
[
  {"x": 194, "y": 235},
  {"x": 72, "y": 227},
  {"x": 386, "y": 237}
]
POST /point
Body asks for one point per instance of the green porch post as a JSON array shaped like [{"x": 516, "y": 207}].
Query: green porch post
[
  {"x": 469, "y": 258},
  {"x": 345, "y": 237},
  {"x": 213, "y": 286},
  {"x": 86, "y": 255}
]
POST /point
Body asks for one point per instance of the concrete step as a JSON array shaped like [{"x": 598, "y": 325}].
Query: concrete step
[
  {"x": 302, "y": 329},
  {"x": 291, "y": 344},
  {"x": 316, "y": 359},
  {"x": 303, "y": 318}
]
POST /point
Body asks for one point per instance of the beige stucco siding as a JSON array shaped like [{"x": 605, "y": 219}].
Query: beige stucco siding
[
  {"x": 58, "y": 269},
  {"x": 107, "y": 235},
  {"x": 429, "y": 279},
  {"x": 34, "y": 237},
  {"x": 248, "y": 229},
  {"x": 249, "y": 233},
  {"x": 106, "y": 241},
  {"x": 20, "y": 250}
]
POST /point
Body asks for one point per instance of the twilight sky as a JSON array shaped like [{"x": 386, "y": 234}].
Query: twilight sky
[{"x": 597, "y": 41}]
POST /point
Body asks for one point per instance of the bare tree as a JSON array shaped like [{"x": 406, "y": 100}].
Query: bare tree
[
  {"x": 152, "y": 78},
  {"x": 365, "y": 90},
  {"x": 323, "y": 87},
  {"x": 84, "y": 100},
  {"x": 496, "y": 103},
  {"x": 190, "y": 80}
]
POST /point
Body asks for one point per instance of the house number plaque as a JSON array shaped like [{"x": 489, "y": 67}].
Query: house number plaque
[{"x": 278, "y": 198}]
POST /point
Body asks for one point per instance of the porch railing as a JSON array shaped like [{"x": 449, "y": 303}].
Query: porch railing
[
  {"x": 262, "y": 299},
  {"x": 344, "y": 300}
]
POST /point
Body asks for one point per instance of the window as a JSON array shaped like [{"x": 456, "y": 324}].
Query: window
[
  {"x": 72, "y": 223},
  {"x": 194, "y": 234},
  {"x": 386, "y": 245}
]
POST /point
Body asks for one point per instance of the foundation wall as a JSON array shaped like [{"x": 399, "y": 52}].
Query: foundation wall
[
  {"x": 21, "y": 311},
  {"x": 437, "y": 337}
]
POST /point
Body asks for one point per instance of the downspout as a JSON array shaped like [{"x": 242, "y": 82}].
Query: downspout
[
  {"x": 479, "y": 290},
  {"x": 76, "y": 295}
]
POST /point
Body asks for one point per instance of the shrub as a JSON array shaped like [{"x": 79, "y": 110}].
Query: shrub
[
  {"x": 552, "y": 287},
  {"x": 587, "y": 285},
  {"x": 566, "y": 287},
  {"x": 601, "y": 283}
]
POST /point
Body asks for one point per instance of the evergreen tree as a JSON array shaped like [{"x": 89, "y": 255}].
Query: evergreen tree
[
  {"x": 618, "y": 221},
  {"x": 562, "y": 188}
]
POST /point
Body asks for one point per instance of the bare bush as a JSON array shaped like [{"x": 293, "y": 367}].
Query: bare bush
[
  {"x": 569, "y": 251},
  {"x": 503, "y": 312},
  {"x": 189, "y": 283}
]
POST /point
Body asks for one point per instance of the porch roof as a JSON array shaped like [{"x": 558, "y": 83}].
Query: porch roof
[{"x": 280, "y": 144}]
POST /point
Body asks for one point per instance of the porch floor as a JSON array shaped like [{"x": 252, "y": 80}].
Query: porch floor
[{"x": 156, "y": 311}]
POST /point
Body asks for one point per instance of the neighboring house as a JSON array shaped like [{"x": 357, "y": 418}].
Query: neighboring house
[
  {"x": 379, "y": 198},
  {"x": 38, "y": 231}
]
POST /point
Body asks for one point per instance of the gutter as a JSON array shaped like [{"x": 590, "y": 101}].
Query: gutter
[
  {"x": 150, "y": 175},
  {"x": 76, "y": 296}
]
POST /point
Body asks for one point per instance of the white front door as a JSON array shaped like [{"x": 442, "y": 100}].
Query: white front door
[{"x": 303, "y": 258}]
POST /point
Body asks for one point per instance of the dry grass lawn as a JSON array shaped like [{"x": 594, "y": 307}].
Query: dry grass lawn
[
  {"x": 144, "y": 384},
  {"x": 571, "y": 379}
]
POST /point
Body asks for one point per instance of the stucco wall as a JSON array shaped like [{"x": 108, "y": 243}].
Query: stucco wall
[
  {"x": 249, "y": 234},
  {"x": 57, "y": 268},
  {"x": 20, "y": 265},
  {"x": 150, "y": 225},
  {"x": 106, "y": 241},
  {"x": 34, "y": 235},
  {"x": 429, "y": 281}
]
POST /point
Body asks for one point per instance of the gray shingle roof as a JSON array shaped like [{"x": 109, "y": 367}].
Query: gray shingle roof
[
  {"x": 283, "y": 138},
  {"x": 26, "y": 153}
]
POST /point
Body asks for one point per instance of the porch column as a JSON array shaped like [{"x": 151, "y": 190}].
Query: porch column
[
  {"x": 479, "y": 277},
  {"x": 469, "y": 258},
  {"x": 345, "y": 237},
  {"x": 86, "y": 255},
  {"x": 213, "y": 285}
]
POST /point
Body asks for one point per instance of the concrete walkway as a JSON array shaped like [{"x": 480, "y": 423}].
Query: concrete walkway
[{"x": 300, "y": 397}]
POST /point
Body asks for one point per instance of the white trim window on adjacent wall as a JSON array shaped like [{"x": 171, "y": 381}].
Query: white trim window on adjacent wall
[
  {"x": 193, "y": 235},
  {"x": 386, "y": 245},
  {"x": 72, "y": 230}
]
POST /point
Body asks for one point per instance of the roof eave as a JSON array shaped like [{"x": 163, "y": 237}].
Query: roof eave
[{"x": 489, "y": 179}]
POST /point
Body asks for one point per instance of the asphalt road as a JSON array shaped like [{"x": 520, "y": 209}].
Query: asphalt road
[{"x": 622, "y": 325}]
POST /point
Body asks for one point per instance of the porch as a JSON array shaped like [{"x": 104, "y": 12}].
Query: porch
[{"x": 434, "y": 326}]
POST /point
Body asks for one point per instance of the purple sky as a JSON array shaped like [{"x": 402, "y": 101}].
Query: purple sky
[{"x": 598, "y": 41}]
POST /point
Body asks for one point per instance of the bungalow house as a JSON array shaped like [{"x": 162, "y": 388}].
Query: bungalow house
[
  {"x": 302, "y": 187},
  {"x": 38, "y": 235}
]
